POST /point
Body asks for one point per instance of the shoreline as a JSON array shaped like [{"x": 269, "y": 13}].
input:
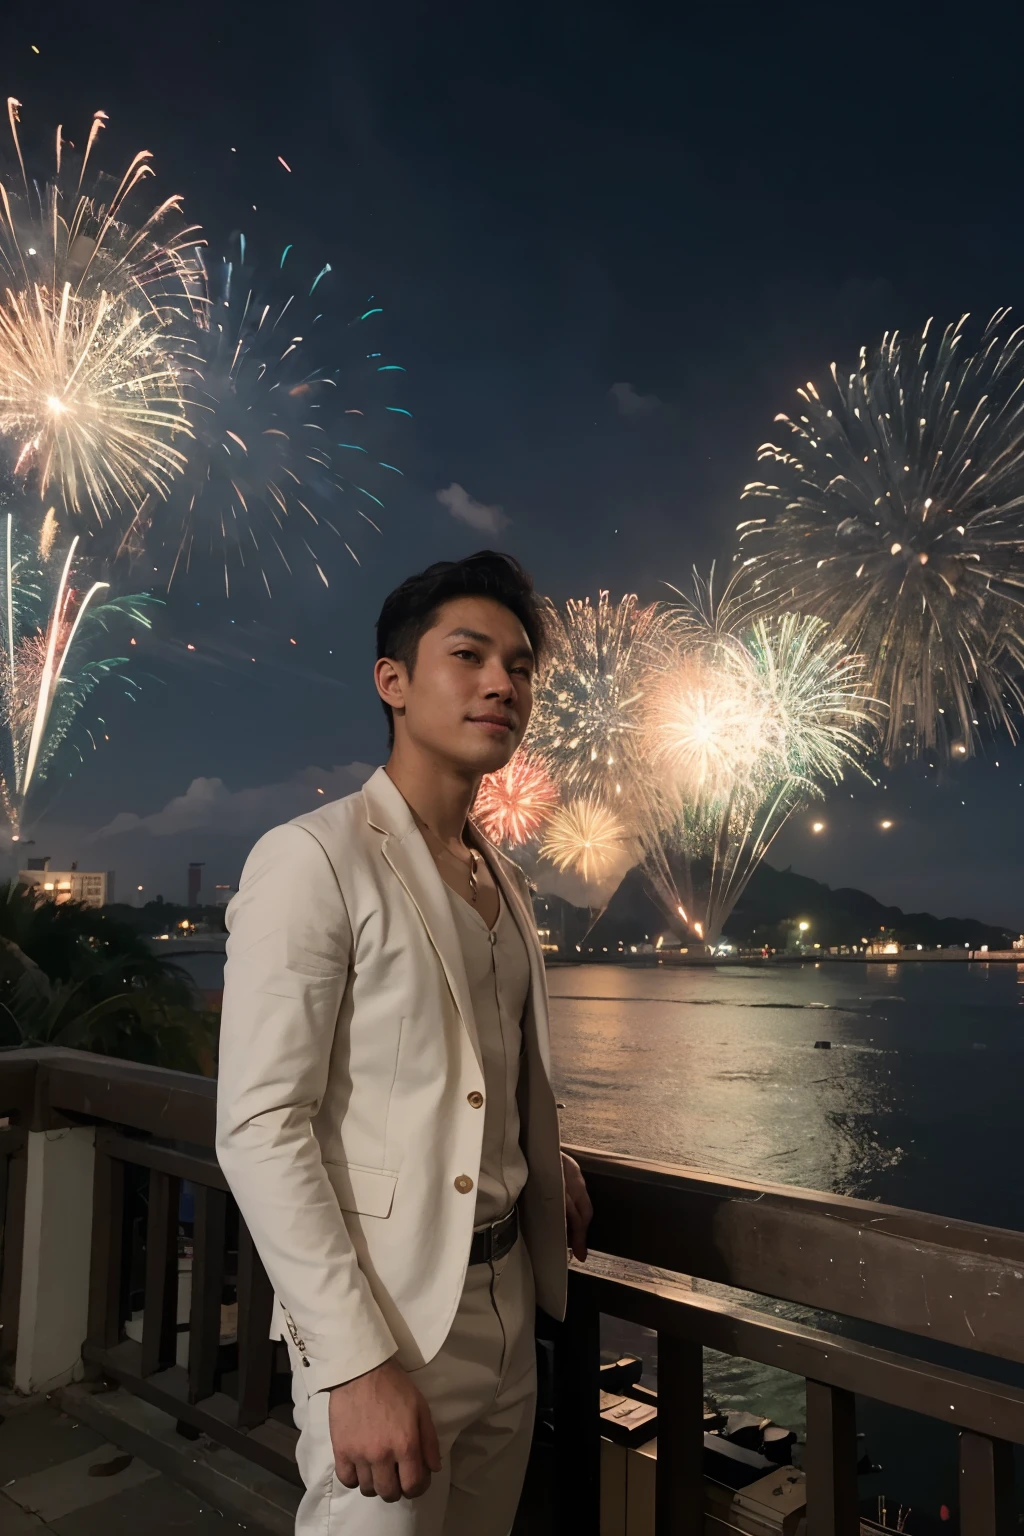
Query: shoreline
[{"x": 927, "y": 957}]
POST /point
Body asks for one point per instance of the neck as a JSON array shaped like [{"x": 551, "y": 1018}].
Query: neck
[{"x": 436, "y": 792}]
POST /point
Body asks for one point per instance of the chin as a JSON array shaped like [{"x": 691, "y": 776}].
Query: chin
[{"x": 489, "y": 755}]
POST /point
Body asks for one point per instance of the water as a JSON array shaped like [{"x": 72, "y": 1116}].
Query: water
[{"x": 916, "y": 1104}]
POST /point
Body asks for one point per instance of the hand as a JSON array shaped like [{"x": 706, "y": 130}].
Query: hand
[
  {"x": 382, "y": 1434},
  {"x": 578, "y": 1209}
]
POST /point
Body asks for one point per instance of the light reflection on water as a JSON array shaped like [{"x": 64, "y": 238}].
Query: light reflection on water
[{"x": 917, "y": 1103}]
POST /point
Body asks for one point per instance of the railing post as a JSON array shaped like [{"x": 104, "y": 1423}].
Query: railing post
[
  {"x": 104, "y": 1327},
  {"x": 577, "y": 1413},
  {"x": 831, "y": 1462},
  {"x": 160, "y": 1306},
  {"x": 14, "y": 1163},
  {"x": 54, "y": 1304},
  {"x": 207, "y": 1290},
  {"x": 255, "y": 1346},
  {"x": 679, "y": 1485},
  {"x": 986, "y": 1486}
]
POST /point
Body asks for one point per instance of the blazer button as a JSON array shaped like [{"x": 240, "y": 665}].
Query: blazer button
[
  {"x": 463, "y": 1184},
  {"x": 476, "y": 1099}
]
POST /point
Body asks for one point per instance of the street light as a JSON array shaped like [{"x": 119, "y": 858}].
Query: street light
[
  {"x": 818, "y": 826},
  {"x": 885, "y": 825},
  {"x": 804, "y": 927}
]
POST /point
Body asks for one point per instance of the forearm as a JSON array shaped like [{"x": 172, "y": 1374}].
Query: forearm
[{"x": 285, "y": 1197}]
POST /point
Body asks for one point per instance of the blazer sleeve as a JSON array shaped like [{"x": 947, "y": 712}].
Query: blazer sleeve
[{"x": 289, "y": 952}]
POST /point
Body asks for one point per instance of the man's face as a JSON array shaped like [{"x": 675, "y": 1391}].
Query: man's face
[{"x": 469, "y": 698}]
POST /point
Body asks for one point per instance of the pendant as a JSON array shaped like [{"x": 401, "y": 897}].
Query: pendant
[{"x": 474, "y": 861}]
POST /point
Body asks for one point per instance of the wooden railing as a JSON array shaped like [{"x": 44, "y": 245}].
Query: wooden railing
[{"x": 950, "y": 1283}]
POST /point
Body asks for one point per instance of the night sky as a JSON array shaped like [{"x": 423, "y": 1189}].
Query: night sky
[{"x": 609, "y": 244}]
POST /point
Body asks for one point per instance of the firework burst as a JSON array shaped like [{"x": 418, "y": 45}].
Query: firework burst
[
  {"x": 588, "y": 705},
  {"x": 94, "y": 308},
  {"x": 513, "y": 804},
  {"x": 898, "y": 516},
  {"x": 746, "y": 725},
  {"x": 281, "y": 451},
  {"x": 587, "y": 838},
  {"x": 51, "y": 620},
  {"x": 703, "y": 721}
]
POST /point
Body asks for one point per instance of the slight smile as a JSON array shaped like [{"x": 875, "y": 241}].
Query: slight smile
[{"x": 496, "y": 725}]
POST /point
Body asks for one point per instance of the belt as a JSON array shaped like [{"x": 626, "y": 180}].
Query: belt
[{"x": 493, "y": 1242}]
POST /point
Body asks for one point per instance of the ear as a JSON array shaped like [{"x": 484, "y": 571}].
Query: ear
[{"x": 390, "y": 678}]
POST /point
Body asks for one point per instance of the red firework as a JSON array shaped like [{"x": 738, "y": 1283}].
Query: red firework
[{"x": 513, "y": 804}]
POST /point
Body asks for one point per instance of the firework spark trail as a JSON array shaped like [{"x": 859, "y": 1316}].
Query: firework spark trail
[
  {"x": 92, "y": 319},
  {"x": 897, "y": 515},
  {"x": 48, "y": 670},
  {"x": 276, "y": 456},
  {"x": 513, "y": 804}
]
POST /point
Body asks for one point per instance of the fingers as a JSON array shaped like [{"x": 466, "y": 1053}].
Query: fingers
[
  {"x": 577, "y": 1230},
  {"x": 429, "y": 1443},
  {"x": 346, "y": 1472},
  {"x": 413, "y": 1475},
  {"x": 385, "y": 1481},
  {"x": 364, "y": 1475}
]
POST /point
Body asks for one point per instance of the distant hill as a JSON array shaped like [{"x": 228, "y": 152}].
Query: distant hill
[
  {"x": 773, "y": 901},
  {"x": 846, "y": 916}
]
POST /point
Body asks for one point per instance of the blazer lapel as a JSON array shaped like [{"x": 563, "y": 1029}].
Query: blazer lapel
[
  {"x": 410, "y": 858},
  {"x": 508, "y": 877}
]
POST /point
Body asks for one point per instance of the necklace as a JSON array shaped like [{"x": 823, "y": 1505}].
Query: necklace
[{"x": 473, "y": 865}]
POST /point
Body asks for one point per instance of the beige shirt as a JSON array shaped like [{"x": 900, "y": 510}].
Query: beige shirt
[{"x": 498, "y": 972}]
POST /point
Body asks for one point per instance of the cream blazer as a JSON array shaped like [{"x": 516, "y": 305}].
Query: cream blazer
[{"x": 350, "y": 1072}]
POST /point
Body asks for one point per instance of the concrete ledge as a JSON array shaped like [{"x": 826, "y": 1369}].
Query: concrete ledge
[
  {"x": 256, "y": 1498},
  {"x": 13, "y": 1403}
]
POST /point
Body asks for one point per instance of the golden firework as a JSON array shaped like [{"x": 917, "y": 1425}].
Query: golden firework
[
  {"x": 585, "y": 837},
  {"x": 93, "y": 310}
]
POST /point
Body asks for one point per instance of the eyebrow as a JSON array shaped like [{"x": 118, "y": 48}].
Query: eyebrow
[{"x": 524, "y": 651}]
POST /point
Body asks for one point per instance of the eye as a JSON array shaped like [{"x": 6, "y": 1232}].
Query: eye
[
  {"x": 524, "y": 671},
  {"x": 466, "y": 655}
]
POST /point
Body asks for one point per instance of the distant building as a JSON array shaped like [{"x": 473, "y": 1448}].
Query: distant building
[
  {"x": 222, "y": 894},
  {"x": 87, "y": 886},
  {"x": 195, "y": 884}
]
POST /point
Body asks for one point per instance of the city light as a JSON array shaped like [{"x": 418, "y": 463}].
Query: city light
[
  {"x": 818, "y": 826},
  {"x": 804, "y": 927},
  {"x": 885, "y": 825}
]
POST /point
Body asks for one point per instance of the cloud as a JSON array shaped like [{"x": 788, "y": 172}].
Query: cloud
[
  {"x": 467, "y": 509},
  {"x": 628, "y": 402},
  {"x": 209, "y": 806}
]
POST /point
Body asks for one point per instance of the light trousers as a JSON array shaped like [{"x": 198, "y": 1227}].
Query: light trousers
[{"x": 481, "y": 1389}]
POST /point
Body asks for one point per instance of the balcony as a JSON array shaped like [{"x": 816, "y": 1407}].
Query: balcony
[{"x": 145, "y": 1316}]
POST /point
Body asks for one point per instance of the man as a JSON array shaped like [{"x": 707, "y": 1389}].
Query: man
[{"x": 385, "y": 1114}]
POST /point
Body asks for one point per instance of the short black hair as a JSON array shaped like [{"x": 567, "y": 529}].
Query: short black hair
[{"x": 409, "y": 611}]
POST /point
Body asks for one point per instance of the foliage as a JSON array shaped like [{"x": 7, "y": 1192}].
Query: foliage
[{"x": 72, "y": 976}]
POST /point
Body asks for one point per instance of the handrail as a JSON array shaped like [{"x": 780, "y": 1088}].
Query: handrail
[{"x": 956, "y": 1282}]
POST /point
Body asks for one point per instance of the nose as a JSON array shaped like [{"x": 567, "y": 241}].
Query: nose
[{"x": 499, "y": 683}]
